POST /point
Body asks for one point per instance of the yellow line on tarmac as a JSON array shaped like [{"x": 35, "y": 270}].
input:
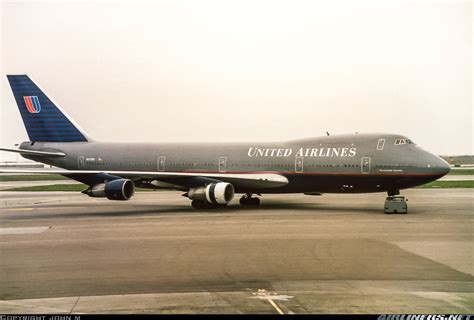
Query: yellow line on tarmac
[{"x": 275, "y": 306}]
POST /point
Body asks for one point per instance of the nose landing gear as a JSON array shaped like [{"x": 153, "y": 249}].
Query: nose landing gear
[{"x": 247, "y": 200}]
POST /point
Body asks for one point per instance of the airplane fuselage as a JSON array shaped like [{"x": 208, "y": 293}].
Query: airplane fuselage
[{"x": 353, "y": 163}]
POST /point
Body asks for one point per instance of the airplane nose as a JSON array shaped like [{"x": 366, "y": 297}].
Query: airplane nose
[{"x": 439, "y": 166}]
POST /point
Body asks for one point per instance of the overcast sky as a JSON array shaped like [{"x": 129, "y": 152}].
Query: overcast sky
[{"x": 246, "y": 70}]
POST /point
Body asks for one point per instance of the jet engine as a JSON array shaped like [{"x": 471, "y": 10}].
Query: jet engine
[
  {"x": 120, "y": 189},
  {"x": 214, "y": 193}
]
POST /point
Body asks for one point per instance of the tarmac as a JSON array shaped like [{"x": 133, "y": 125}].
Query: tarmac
[{"x": 63, "y": 252}]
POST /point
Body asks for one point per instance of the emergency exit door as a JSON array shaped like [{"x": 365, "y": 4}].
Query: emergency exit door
[
  {"x": 161, "y": 163},
  {"x": 365, "y": 165},
  {"x": 80, "y": 162},
  {"x": 222, "y": 164},
  {"x": 299, "y": 164}
]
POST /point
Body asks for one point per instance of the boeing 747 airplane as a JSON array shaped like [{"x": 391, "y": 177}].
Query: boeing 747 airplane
[{"x": 210, "y": 174}]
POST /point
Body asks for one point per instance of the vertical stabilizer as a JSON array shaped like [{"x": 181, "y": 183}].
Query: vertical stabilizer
[{"x": 44, "y": 120}]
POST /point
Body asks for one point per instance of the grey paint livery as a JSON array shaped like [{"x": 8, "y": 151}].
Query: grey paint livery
[{"x": 371, "y": 169}]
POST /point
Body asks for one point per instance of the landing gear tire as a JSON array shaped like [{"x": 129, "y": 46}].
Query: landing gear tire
[
  {"x": 249, "y": 201},
  {"x": 198, "y": 204}
]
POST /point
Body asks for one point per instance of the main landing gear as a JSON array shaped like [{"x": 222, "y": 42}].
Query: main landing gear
[
  {"x": 198, "y": 204},
  {"x": 395, "y": 203},
  {"x": 247, "y": 200}
]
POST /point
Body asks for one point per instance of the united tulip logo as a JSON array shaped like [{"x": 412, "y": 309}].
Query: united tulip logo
[{"x": 32, "y": 104}]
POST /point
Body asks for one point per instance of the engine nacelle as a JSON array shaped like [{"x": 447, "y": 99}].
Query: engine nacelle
[
  {"x": 120, "y": 189},
  {"x": 214, "y": 193}
]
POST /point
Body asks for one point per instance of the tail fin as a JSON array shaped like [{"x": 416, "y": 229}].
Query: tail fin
[{"x": 44, "y": 121}]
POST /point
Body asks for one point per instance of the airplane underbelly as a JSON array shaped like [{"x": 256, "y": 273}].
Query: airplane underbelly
[{"x": 331, "y": 183}]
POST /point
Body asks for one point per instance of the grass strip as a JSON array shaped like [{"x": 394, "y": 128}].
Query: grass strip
[
  {"x": 61, "y": 187},
  {"x": 461, "y": 172},
  {"x": 449, "y": 184},
  {"x": 32, "y": 177}
]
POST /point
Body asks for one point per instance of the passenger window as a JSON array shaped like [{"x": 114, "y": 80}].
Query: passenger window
[{"x": 380, "y": 144}]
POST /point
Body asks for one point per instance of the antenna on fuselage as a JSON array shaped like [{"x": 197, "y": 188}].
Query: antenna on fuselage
[{"x": 327, "y": 133}]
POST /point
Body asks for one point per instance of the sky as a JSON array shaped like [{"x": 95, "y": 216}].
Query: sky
[{"x": 224, "y": 71}]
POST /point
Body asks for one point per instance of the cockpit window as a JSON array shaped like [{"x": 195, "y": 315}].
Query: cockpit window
[
  {"x": 399, "y": 141},
  {"x": 403, "y": 141}
]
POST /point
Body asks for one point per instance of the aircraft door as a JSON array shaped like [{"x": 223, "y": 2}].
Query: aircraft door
[
  {"x": 380, "y": 144},
  {"x": 365, "y": 165},
  {"x": 222, "y": 164},
  {"x": 80, "y": 162},
  {"x": 161, "y": 163},
  {"x": 299, "y": 164}
]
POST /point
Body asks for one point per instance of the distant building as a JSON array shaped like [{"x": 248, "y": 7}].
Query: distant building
[{"x": 459, "y": 161}]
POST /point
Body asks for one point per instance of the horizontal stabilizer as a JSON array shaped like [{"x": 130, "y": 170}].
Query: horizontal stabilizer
[{"x": 35, "y": 153}]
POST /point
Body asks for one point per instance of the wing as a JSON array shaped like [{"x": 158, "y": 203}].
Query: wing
[{"x": 187, "y": 179}]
